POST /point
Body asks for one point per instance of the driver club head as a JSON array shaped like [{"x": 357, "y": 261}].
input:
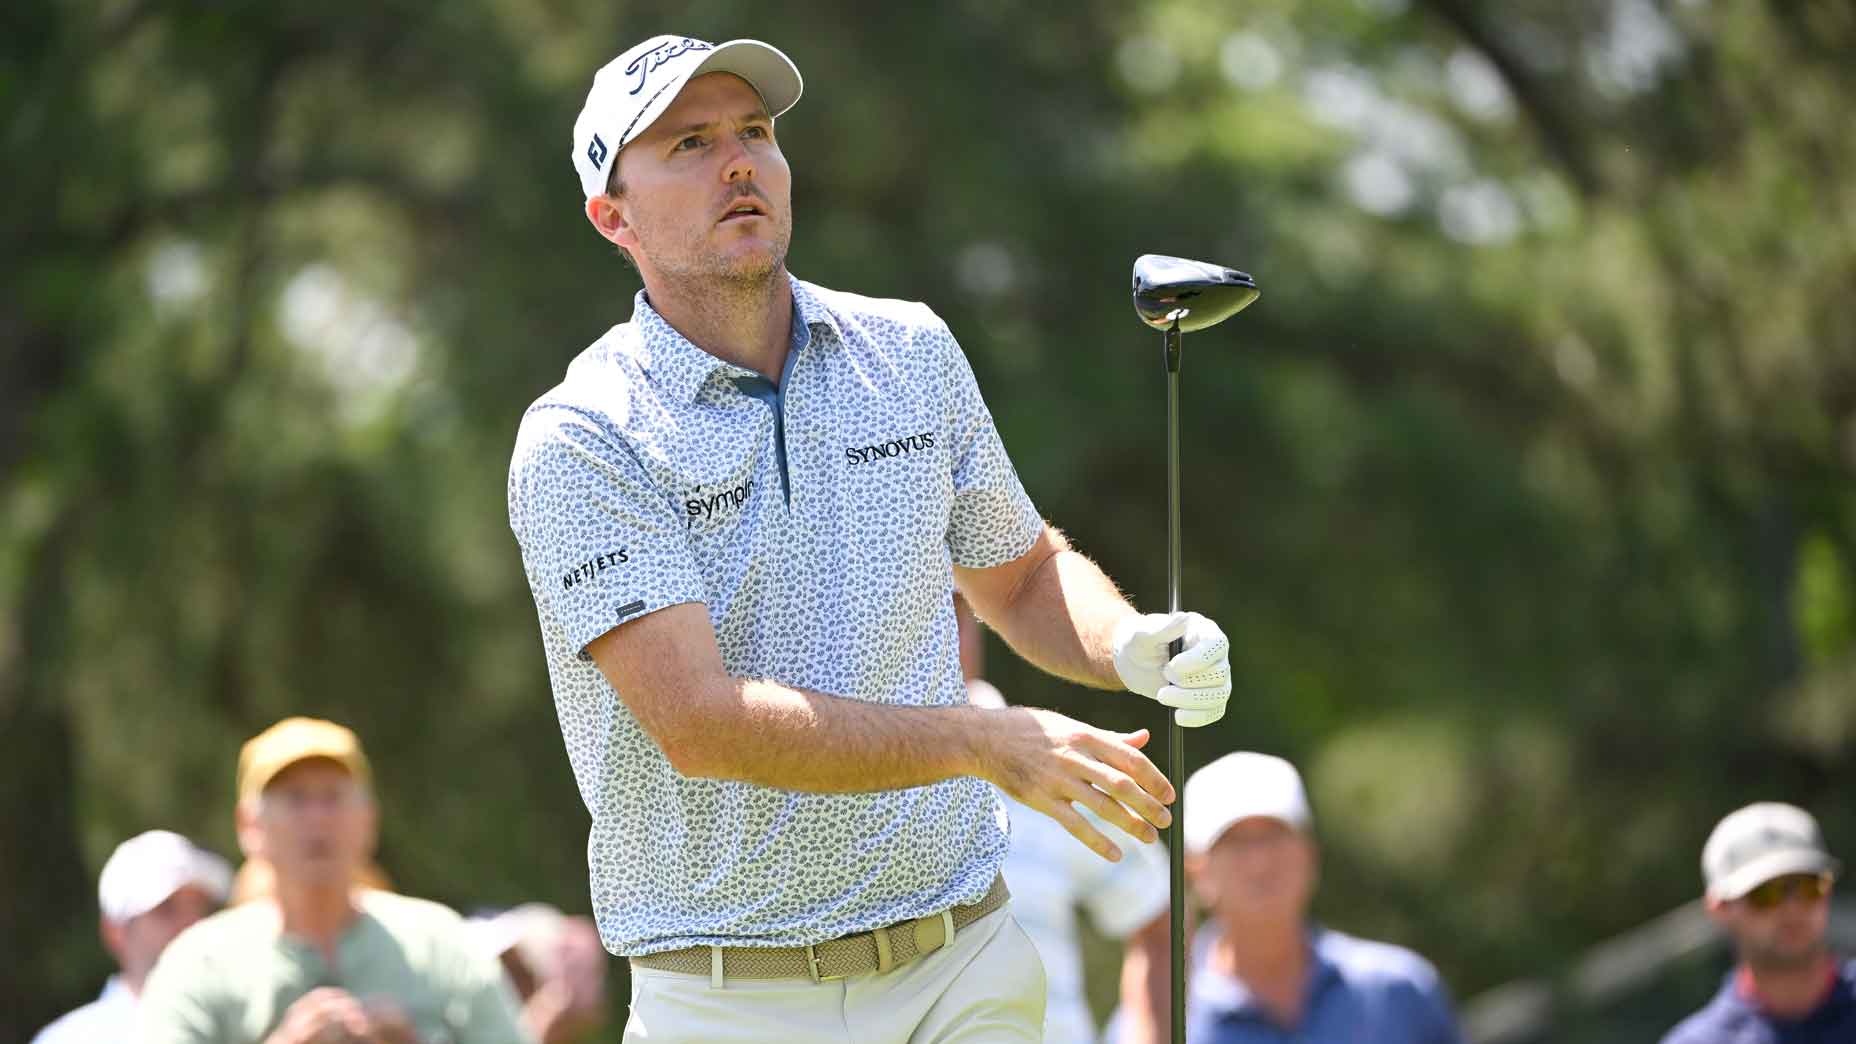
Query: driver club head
[{"x": 1194, "y": 294}]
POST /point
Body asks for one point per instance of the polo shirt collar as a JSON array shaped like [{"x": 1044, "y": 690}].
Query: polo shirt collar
[
  {"x": 681, "y": 368},
  {"x": 812, "y": 312}
]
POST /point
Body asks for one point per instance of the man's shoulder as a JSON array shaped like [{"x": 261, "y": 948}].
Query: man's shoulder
[
  {"x": 1369, "y": 961},
  {"x": 599, "y": 369},
  {"x": 1720, "y": 1022},
  {"x": 233, "y": 927},
  {"x": 206, "y": 951},
  {"x": 101, "y": 1019},
  {"x": 596, "y": 398},
  {"x": 845, "y": 304},
  {"x": 406, "y": 914},
  {"x": 862, "y": 312}
]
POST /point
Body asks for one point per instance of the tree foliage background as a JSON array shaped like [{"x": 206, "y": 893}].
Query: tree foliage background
[{"x": 1524, "y": 492}]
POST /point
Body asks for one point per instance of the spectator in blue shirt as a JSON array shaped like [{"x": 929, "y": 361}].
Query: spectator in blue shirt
[
  {"x": 1769, "y": 878},
  {"x": 1261, "y": 971}
]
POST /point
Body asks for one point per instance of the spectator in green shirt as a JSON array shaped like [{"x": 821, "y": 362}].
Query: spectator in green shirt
[{"x": 319, "y": 959}]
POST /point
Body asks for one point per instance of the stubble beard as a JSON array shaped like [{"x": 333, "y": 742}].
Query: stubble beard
[{"x": 698, "y": 265}]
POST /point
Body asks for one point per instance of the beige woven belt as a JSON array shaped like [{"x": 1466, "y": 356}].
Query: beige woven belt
[{"x": 840, "y": 958}]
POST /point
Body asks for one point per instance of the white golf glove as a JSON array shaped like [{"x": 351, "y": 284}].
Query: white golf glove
[{"x": 1196, "y": 683}]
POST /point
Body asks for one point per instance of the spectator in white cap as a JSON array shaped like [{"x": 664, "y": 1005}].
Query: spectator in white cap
[
  {"x": 1768, "y": 878},
  {"x": 152, "y": 888},
  {"x": 1261, "y": 971}
]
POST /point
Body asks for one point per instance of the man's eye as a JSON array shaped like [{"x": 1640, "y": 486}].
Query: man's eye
[
  {"x": 755, "y": 131},
  {"x": 694, "y": 141}
]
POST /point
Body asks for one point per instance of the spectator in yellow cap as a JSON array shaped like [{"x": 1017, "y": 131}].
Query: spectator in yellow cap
[{"x": 321, "y": 958}]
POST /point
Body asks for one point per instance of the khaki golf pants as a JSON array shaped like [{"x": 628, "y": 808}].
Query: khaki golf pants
[{"x": 988, "y": 986}]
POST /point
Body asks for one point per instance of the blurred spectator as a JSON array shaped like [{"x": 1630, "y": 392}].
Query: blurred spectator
[
  {"x": 320, "y": 959},
  {"x": 557, "y": 965},
  {"x": 1261, "y": 970},
  {"x": 152, "y": 888},
  {"x": 1769, "y": 877},
  {"x": 1051, "y": 874}
]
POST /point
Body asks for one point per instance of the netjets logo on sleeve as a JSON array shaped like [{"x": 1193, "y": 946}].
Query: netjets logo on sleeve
[
  {"x": 594, "y": 566},
  {"x": 918, "y": 443}
]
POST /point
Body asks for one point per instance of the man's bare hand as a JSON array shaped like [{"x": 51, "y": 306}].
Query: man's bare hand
[
  {"x": 323, "y": 1016},
  {"x": 1049, "y": 763},
  {"x": 388, "y": 1023}
]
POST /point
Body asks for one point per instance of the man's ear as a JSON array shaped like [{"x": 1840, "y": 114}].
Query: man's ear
[
  {"x": 111, "y": 934},
  {"x": 608, "y": 217},
  {"x": 1199, "y": 882},
  {"x": 1718, "y": 910},
  {"x": 245, "y": 819}
]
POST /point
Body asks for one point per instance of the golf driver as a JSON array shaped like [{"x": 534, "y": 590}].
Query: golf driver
[{"x": 1174, "y": 295}]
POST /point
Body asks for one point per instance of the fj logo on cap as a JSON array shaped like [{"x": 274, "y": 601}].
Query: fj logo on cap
[
  {"x": 648, "y": 62},
  {"x": 596, "y": 151}
]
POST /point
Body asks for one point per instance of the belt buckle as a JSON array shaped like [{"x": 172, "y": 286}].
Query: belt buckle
[{"x": 812, "y": 966}]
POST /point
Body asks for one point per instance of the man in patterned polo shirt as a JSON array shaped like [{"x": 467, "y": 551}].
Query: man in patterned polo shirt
[{"x": 743, "y": 515}]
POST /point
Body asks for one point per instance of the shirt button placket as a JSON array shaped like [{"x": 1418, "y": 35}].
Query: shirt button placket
[{"x": 798, "y": 439}]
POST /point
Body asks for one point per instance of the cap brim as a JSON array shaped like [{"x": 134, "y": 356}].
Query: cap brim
[
  {"x": 262, "y": 778},
  {"x": 1201, "y": 840},
  {"x": 764, "y": 66},
  {"x": 1769, "y": 866}
]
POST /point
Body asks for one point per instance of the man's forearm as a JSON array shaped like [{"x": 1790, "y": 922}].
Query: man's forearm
[
  {"x": 796, "y": 739},
  {"x": 1062, "y": 619},
  {"x": 1146, "y": 989}
]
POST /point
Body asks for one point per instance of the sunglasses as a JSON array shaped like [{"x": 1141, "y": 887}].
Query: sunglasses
[{"x": 1809, "y": 887}]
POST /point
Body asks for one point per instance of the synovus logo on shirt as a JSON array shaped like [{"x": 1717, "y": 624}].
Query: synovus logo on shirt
[{"x": 893, "y": 448}]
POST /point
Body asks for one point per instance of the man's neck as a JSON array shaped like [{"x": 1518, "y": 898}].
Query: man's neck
[
  {"x": 749, "y": 323},
  {"x": 1271, "y": 960},
  {"x": 316, "y": 915},
  {"x": 1788, "y": 992}
]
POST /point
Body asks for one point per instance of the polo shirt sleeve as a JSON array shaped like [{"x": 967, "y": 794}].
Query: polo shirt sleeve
[
  {"x": 484, "y": 1008},
  {"x": 600, "y": 542},
  {"x": 993, "y": 520}
]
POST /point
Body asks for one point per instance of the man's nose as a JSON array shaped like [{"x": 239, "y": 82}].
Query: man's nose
[{"x": 740, "y": 165}]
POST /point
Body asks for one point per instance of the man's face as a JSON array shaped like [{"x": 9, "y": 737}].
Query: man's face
[
  {"x": 1780, "y": 925},
  {"x": 683, "y": 178},
  {"x": 314, "y": 824},
  {"x": 1260, "y": 869},
  {"x": 138, "y": 941}
]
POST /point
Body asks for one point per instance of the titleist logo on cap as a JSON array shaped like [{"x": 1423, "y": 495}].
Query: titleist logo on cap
[{"x": 650, "y": 61}]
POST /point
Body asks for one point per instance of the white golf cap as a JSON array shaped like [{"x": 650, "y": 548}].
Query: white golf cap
[
  {"x": 1237, "y": 787},
  {"x": 1760, "y": 842},
  {"x": 635, "y": 88},
  {"x": 148, "y": 868}
]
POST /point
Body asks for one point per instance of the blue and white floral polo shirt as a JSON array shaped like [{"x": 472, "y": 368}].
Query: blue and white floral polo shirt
[{"x": 819, "y": 522}]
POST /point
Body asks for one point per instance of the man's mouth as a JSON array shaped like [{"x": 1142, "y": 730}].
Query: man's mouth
[{"x": 741, "y": 210}]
